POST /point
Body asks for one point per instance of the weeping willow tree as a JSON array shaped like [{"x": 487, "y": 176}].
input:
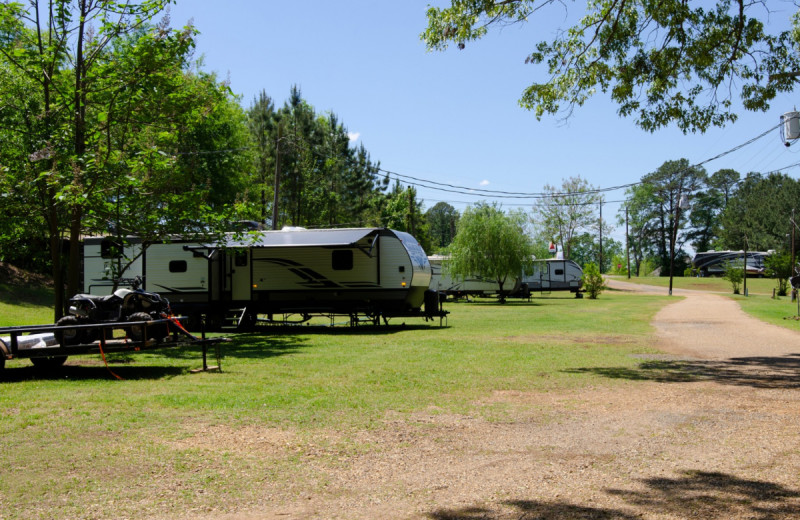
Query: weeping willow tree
[{"x": 491, "y": 244}]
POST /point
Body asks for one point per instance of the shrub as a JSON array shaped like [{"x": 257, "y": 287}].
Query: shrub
[
  {"x": 593, "y": 282},
  {"x": 734, "y": 273}
]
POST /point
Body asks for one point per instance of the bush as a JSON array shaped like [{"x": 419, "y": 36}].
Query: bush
[
  {"x": 593, "y": 282},
  {"x": 779, "y": 266},
  {"x": 734, "y": 273}
]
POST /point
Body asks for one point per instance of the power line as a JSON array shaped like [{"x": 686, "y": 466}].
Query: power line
[{"x": 481, "y": 192}]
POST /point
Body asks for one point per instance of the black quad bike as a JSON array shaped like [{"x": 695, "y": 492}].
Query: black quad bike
[{"x": 134, "y": 305}]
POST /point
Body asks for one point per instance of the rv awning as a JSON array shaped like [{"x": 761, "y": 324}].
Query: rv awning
[{"x": 304, "y": 237}]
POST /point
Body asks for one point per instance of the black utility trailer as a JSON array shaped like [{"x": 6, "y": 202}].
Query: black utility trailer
[{"x": 46, "y": 347}]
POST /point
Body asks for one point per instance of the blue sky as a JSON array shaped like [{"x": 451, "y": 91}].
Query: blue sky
[{"x": 452, "y": 117}]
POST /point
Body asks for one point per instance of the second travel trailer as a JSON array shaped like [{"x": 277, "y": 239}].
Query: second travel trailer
[
  {"x": 375, "y": 272},
  {"x": 457, "y": 287},
  {"x": 553, "y": 275}
]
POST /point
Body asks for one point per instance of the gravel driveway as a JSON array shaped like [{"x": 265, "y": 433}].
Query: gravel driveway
[{"x": 708, "y": 430}]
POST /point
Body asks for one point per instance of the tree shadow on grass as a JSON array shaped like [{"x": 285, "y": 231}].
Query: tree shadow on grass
[
  {"x": 95, "y": 371},
  {"x": 757, "y": 372},
  {"x": 130, "y": 365},
  {"x": 693, "y": 494},
  {"x": 244, "y": 346}
]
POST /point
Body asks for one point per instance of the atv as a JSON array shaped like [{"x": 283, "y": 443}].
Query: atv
[{"x": 132, "y": 305}]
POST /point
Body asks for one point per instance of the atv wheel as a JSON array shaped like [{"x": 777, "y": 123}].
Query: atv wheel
[
  {"x": 67, "y": 336},
  {"x": 156, "y": 331}
]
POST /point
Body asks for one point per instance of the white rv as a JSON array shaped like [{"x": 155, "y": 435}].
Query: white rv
[
  {"x": 443, "y": 283},
  {"x": 553, "y": 275},
  {"x": 372, "y": 271}
]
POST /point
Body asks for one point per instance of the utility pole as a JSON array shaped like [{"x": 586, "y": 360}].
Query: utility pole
[
  {"x": 601, "y": 237},
  {"x": 410, "y": 211},
  {"x": 627, "y": 242},
  {"x": 277, "y": 179},
  {"x": 745, "y": 265}
]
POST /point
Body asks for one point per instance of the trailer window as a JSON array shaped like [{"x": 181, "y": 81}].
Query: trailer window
[
  {"x": 177, "y": 266},
  {"x": 342, "y": 259},
  {"x": 559, "y": 271},
  {"x": 240, "y": 259}
]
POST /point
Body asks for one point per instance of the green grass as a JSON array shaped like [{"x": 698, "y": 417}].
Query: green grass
[
  {"x": 780, "y": 311},
  {"x": 79, "y": 443},
  {"x": 712, "y": 284},
  {"x": 25, "y": 306}
]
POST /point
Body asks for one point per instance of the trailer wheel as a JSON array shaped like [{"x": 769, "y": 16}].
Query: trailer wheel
[
  {"x": 3, "y": 353},
  {"x": 48, "y": 362},
  {"x": 136, "y": 332}
]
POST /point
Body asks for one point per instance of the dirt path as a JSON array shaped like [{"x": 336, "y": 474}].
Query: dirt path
[{"x": 708, "y": 430}]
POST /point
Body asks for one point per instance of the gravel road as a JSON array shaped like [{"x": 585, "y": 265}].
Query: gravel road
[{"x": 707, "y": 430}]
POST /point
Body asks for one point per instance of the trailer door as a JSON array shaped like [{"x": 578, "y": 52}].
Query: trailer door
[
  {"x": 544, "y": 276},
  {"x": 239, "y": 274}
]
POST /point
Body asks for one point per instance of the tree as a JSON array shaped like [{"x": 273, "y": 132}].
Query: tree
[
  {"x": 779, "y": 266},
  {"x": 707, "y": 206},
  {"x": 68, "y": 50},
  {"x": 758, "y": 213},
  {"x": 586, "y": 249},
  {"x": 491, "y": 244},
  {"x": 321, "y": 179},
  {"x": 659, "y": 208},
  {"x": 661, "y": 62},
  {"x": 442, "y": 219},
  {"x": 401, "y": 210},
  {"x": 566, "y": 210}
]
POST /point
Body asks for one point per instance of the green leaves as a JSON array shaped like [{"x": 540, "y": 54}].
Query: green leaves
[{"x": 662, "y": 62}]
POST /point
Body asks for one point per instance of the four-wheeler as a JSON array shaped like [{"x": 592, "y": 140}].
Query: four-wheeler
[{"x": 130, "y": 305}]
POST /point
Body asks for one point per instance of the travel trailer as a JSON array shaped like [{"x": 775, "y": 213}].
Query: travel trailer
[
  {"x": 370, "y": 271},
  {"x": 447, "y": 285},
  {"x": 553, "y": 275}
]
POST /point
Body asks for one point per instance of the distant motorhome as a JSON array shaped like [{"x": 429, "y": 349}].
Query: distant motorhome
[{"x": 712, "y": 263}]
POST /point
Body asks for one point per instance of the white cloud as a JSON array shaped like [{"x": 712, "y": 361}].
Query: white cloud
[
  {"x": 484, "y": 182},
  {"x": 353, "y": 136}
]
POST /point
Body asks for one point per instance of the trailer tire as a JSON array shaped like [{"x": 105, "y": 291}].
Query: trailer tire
[
  {"x": 136, "y": 332},
  {"x": 48, "y": 362},
  {"x": 3, "y": 354}
]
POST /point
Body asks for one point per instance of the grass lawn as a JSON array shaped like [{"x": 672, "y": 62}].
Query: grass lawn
[
  {"x": 711, "y": 284},
  {"x": 80, "y": 444}
]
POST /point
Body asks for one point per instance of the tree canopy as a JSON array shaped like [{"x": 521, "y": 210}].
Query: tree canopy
[
  {"x": 567, "y": 210},
  {"x": 661, "y": 62}
]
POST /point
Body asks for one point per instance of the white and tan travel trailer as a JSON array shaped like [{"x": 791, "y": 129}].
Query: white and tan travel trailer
[
  {"x": 448, "y": 285},
  {"x": 553, "y": 275},
  {"x": 371, "y": 271}
]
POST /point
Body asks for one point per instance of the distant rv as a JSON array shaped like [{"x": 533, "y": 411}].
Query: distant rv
[
  {"x": 553, "y": 275},
  {"x": 712, "y": 263},
  {"x": 458, "y": 287}
]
